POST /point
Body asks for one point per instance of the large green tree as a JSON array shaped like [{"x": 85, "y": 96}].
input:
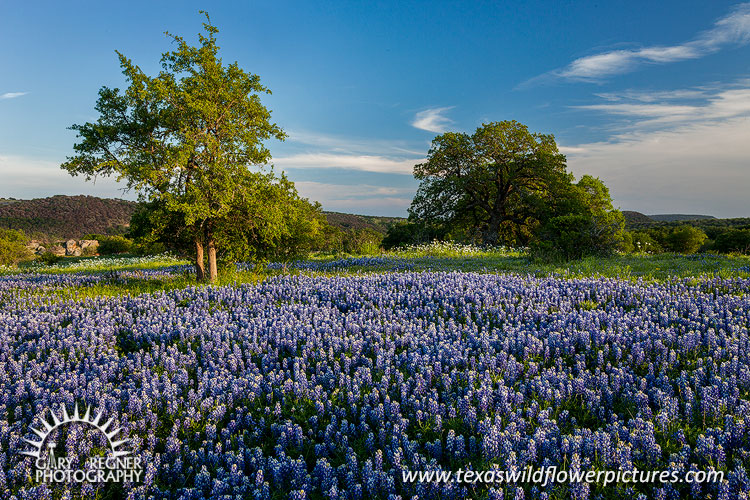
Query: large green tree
[
  {"x": 183, "y": 139},
  {"x": 733, "y": 240},
  {"x": 580, "y": 221},
  {"x": 270, "y": 221},
  {"x": 488, "y": 185},
  {"x": 13, "y": 247}
]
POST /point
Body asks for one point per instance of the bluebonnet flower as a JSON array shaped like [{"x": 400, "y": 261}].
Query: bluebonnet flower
[{"x": 248, "y": 390}]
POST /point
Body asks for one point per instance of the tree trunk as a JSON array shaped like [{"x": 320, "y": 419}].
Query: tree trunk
[
  {"x": 491, "y": 234},
  {"x": 212, "y": 268},
  {"x": 200, "y": 267}
]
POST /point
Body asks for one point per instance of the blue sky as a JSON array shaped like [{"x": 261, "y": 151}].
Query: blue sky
[{"x": 652, "y": 97}]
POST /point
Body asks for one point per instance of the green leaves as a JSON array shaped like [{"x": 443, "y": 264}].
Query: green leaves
[
  {"x": 686, "y": 239},
  {"x": 13, "y": 247},
  {"x": 185, "y": 139},
  {"x": 483, "y": 183},
  {"x": 506, "y": 184},
  {"x": 269, "y": 221},
  {"x": 197, "y": 122}
]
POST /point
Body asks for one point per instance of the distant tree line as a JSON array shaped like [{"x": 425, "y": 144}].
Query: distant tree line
[
  {"x": 708, "y": 225},
  {"x": 715, "y": 236},
  {"x": 690, "y": 238}
]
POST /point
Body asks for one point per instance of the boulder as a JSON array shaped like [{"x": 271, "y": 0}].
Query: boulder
[
  {"x": 58, "y": 250},
  {"x": 84, "y": 244},
  {"x": 89, "y": 247},
  {"x": 40, "y": 250},
  {"x": 33, "y": 245},
  {"x": 71, "y": 246}
]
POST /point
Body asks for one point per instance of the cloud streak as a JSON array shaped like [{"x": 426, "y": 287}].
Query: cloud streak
[
  {"x": 719, "y": 105},
  {"x": 351, "y": 145},
  {"x": 12, "y": 95},
  {"x": 653, "y": 96},
  {"x": 732, "y": 29},
  {"x": 671, "y": 156},
  {"x": 365, "y": 163},
  {"x": 361, "y": 198},
  {"x": 432, "y": 120},
  {"x": 26, "y": 177}
]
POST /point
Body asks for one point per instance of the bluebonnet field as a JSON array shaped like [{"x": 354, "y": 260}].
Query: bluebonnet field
[{"x": 328, "y": 386}]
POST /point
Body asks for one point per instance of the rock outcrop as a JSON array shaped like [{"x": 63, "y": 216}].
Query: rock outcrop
[
  {"x": 36, "y": 247},
  {"x": 93, "y": 245},
  {"x": 58, "y": 250},
  {"x": 70, "y": 248}
]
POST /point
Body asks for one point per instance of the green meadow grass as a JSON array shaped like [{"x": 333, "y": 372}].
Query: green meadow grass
[
  {"x": 627, "y": 266},
  {"x": 442, "y": 257},
  {"x": 99, "y": 264}
]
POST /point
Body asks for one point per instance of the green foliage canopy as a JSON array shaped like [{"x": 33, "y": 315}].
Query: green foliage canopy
[
  {"x": 686, "y": 239},
  {"x": 733, "y": 240},
  {"x": 582, "y": 223},
  {"x": 113, "y": 245},
  {"x": 183, "y": 139},
  {"x": 411, "y": 232},
  {"x": 485, "y": 185},
  {"x": 270, "y": 221},
  {"x": 13, "y": 247},
  {"x": 506, "y": 184}
]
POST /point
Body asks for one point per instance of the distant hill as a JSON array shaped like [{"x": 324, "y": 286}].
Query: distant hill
[
  {"x": 679, "y": 217},
  {"x": 62, "y": 217},
  {"x": 356, "y": 222},
  {"x": 637, "y": 220},
  {"x": 633, "y": 218}
]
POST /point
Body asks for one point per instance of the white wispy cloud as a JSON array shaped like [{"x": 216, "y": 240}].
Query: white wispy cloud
[
  {"x": 27, "y": 177},
  {"x": 365, "y": 163},
  {"x": 688, "y": 169},
  {"x": 349, "y": 191},
  {"x": 670, "y": 156},
  {"x": 644, "y": 110},
  {"x": 655, "y": 95},
  {"x": 720, "y": 104},
  {"x": 361, "y": 198},
  {"x": 734, "y": 28},
  {"x": 432, "y": 120},
  {"x": 570, "y": 149},
  {"x": 352, "y": 145},
  {"x": 12, "y": 95}
]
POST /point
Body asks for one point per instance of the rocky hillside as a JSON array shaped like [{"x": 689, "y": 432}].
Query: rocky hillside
[
  {"x": 633, "y": 218},
  {"x": 679, "y": 217},
  {"x": 71, "y": 217},
  {"x": 63, "y": 217},
  {"x": 356, "y": 222}
]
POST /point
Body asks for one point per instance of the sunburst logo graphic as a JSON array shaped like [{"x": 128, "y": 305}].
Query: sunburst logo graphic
[
  {"x": 65, "y": 419},
  {"x": 119, "y": 464}
]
